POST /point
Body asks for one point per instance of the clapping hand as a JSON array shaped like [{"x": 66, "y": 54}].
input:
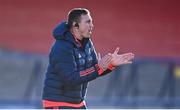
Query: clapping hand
[
  {"x": 104, "y": 61},
  {"x": 115, "y": 59},
  {"x": 121, "y": 59}
]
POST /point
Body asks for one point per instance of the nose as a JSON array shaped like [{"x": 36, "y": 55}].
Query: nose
[{"x": 92, "y": 25}]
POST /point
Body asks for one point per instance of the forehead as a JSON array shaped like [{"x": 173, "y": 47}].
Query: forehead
[{"x": 86, "y": 17}]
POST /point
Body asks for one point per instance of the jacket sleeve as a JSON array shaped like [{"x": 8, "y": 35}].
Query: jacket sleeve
[
  {"x": 100, "y": 70},
  {"x": 64, "y": 64}
]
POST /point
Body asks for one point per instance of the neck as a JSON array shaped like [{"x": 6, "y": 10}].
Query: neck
[{"x": 76, "y": 34}]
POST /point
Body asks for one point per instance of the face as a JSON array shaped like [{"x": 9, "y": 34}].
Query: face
[{"x": 85, "y": 26}]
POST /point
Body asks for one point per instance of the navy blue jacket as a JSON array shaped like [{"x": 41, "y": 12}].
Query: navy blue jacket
[{"x": 71, "y": 66}]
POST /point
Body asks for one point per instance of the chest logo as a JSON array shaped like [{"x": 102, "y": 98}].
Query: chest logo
[{"x": 79, "y": 56}]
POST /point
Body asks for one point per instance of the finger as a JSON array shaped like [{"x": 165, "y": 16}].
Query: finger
[
  {"x": 108, "y": 60},
  {"x": 116, "y": 50},
  {"x": 99, "y": 56},
  {"x": 129, "y": 62},
  {"x": 127, "y": 54},
  {"x": 126, "y": 62},
  {"x": 108, "y": 57}
]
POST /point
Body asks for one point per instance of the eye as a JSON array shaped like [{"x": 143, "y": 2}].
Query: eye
[{"x": 89, "y": 21}]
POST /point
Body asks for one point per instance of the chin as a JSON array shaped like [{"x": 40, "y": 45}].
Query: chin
[{"x": 87, "y": 36}]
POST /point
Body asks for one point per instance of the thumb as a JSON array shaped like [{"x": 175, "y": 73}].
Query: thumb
[{"x": 116, "y": 50}]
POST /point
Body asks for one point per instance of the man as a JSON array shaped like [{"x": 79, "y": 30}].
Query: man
[{"x": 73, "y": 62}]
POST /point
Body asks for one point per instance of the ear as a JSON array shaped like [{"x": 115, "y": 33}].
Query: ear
[{"x": 75, "y": 24}]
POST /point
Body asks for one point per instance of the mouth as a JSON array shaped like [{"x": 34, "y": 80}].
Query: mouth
[{"x": 90, "y": 31}]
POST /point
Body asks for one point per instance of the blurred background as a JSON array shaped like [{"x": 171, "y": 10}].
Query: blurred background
[{"x": 148, "y": 28}]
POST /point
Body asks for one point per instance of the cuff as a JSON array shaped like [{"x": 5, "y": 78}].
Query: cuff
[
  {"x": 99, "y": 69},
  {"x": 111, "y": 67}
]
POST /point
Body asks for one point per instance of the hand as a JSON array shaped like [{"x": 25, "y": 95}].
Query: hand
[
  {"x": 104, "y": 61},
  {"x": 122, "y": 59}
]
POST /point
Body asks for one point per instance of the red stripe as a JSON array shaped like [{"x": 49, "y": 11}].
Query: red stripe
[
  {"x": 47, "y": 103},
  {"x": 87, "y": 71},
  {"x": 83, "y": 72},
  {"x": 111, "y": 67},
  {"x": 100, "y": 70}
]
